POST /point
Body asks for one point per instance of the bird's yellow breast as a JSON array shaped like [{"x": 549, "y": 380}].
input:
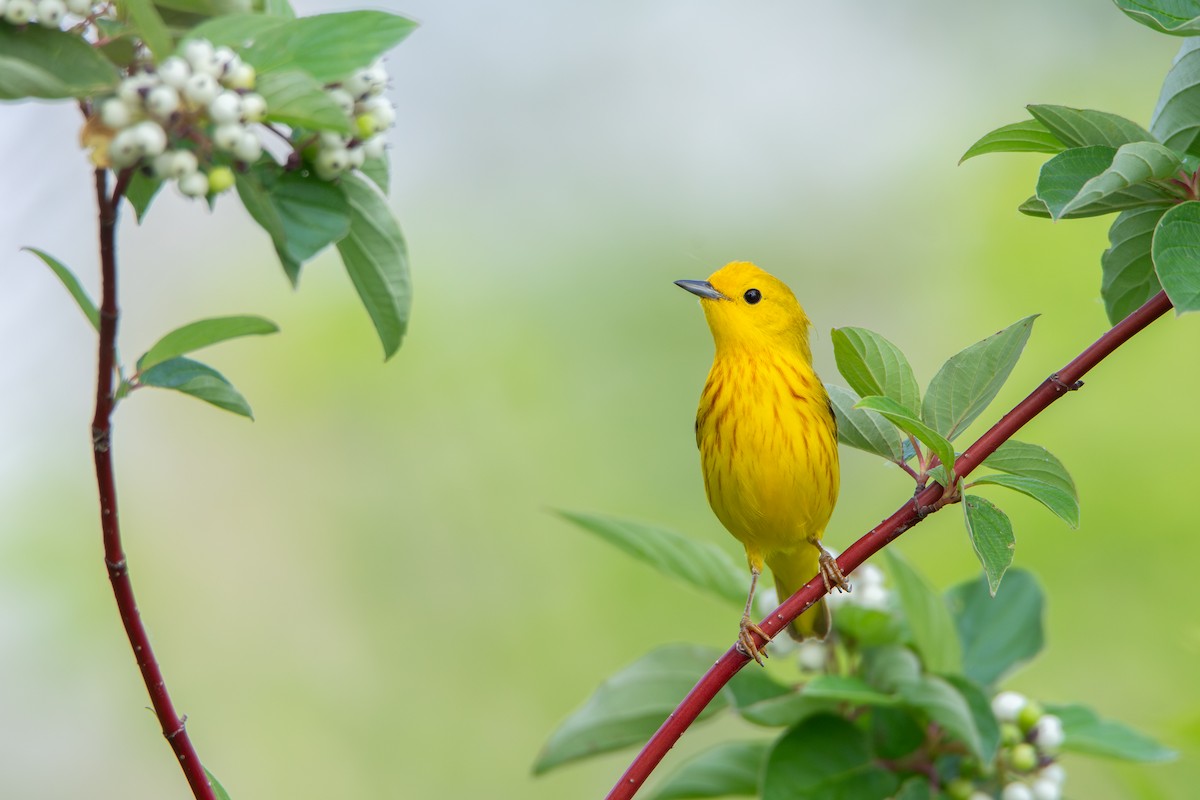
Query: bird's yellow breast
[{"x": 768, "y": 449}]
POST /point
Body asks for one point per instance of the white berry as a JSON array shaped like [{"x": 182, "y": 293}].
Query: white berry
[
  {"x": 332, "y": 163},
  {"x": 1053, "y": 772},
  {"x": 125, "y": 149},
  {"x": 254, "y": 107},
  {"x": 194, "y": 184},
  {"x": 1007, "y": 705},
  {"x": 227, "y": 136},
  {"x": 1016, "y": 791},
  {"x": 225, "y": 107},
  {"x": 344, "y": 100},
  {"x": 151, "y": 138},
  {"x": 162, "y": 101},
  {"x": 50, "y": 12},
  {"x": 19, "y": 12},
  {"x": 115, "y": 113},
  {"x": 174, "y": 72},
  {"x": 375, "y": 147},
  {"x": 1049, "y": 733},
  {"x": 134, "y": 87},
  {"x": 80, "y": 8},
  {"x": 200, "y": 54},
  {"x": 356, "y": 157},
  {"x": 239, "y": 75},
  {"x": 201, "y": 88},
  {"x": 248, "y": 148},
  {"x": 1043, "y": 789}
]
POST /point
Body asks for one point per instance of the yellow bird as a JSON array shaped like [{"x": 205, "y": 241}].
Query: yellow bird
[{"x": 767, "y": 438}]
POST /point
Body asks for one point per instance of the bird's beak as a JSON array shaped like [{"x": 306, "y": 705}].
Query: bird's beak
[{"x": 702, "y": 289}]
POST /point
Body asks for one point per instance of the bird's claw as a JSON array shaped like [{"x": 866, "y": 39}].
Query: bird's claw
[
  {"x": 831, "y": 573},
  {"x": 746, "y": 644}
]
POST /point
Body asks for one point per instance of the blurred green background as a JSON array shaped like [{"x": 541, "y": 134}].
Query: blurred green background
[{"x": 363, "y": 593}]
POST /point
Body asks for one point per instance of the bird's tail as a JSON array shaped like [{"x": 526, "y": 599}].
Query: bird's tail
[{"x": 791, "y": 571}]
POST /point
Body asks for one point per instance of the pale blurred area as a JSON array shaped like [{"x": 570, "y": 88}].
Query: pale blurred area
[{"x": 364, "y": 593}]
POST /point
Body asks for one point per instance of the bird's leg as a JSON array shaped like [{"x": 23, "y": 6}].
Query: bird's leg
[
  {"x": 747, "y": 627},
  {"x": 831, "y": 573}
]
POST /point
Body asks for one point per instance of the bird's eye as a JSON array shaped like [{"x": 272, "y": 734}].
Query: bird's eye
[{"x": 752, "y": 296}]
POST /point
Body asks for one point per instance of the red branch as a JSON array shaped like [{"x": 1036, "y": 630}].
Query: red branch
[
  {"x": 905, "y": 517},
  {"x": 114, "y": 553}
]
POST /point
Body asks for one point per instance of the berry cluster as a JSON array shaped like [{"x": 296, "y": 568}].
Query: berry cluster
[
  {"x": 1029, "y": 742},
  {"x": 47, "y": 13},
  {"x": 361, "y": 98},
  {"x": 172, "y": 116}
]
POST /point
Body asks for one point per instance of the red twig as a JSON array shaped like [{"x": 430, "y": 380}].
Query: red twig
[
  {"x": 905, "y": 517},
  {"x": 114, "y": 553}
]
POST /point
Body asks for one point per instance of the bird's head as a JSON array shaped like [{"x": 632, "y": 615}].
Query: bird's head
[{"x": 747, "y": 307}]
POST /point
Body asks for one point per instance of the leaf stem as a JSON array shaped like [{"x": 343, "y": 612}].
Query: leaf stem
[
  {"x": 904, "y": 518},
  {"x": 114, "y": 553}
]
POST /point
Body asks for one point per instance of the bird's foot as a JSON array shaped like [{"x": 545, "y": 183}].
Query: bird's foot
[
  {"x": 746, "y": 644},
  {"x": 831, "y": 573}
]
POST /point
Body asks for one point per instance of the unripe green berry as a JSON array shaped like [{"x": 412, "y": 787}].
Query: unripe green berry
[
  {"x": 1010, "y": 734},
  {"x": 240, "y": 75},
  {"x": 1023, "y": 757},
  {"x": 220, "y": 179},
  {"x": 1028, "y": 716},
  {"x": 960, "y": 789}
]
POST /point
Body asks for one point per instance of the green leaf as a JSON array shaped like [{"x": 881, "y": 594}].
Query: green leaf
[
  {"x": 874, "y": 366},
  {"x": 785, "y": 710},
  {"x": 997, "y": 633},
  {"x": 906, "y": 420},
  {"x": 301, "y": 213},
  {"x": 203, "y": 333},
  {"x": 1174, "y": 119},
  {"x": 825, "y": 757},
  {"x": 296, "y": 98},
  {"x": 72, "y": 284},
  {"x": 1082, "y": 127},
  {"x": 1129, "y": 277},
  {"x": 896, "y": 732},
  {"x": 942, "y": 703},
  {"x": 750, "y": 686},
  {"x": 701, "y": 564},
  {"x": 236, "y": 30},
  {"x": 150, "y": 25},
  {"x": 1176, "y": 251},
  {"x": 218, "y": 790},
  {"x": 729, "y": 769},
  {"x": 991, "y": 537},
  {"x": 970, "y": 379},
  {"x": 1177, "y": 17},
  {"x": 1086, "y": 181},
  {"x": 377, "y": 170},
  {"x": 1086, "y": 732},
  {"x": 928, "y": 618},
  {"x": 914, "y": 788},
  {"x": 200, "y": 381},
  {"x": 1031, "y": 461},
  {"x": 847, "y": 689},
  {"x": 140, "y": 192},
  {"x": 1061, "y": 503},
  {"x": 981, "y": 713},
  {"x": 628, "y": 707},
  {"x": 1143, "y": 195},
  {"x": 887, "y": 667},
  {"x": 868, "y": 627},
  {"x": 280, "y": 8},
  {"x": 1134, "y": 163},
  {"x": 376, "y": 260},
  {"x": 1028, "y": 136},
  {"x": 50, "y": 64},
  {"x": 329, "y": 47},
  {"x": 864, "y": 429}
]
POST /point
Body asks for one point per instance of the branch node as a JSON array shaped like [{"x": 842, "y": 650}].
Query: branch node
[
  {"x": 116, "y": 568},
  {"x": 172, "y": 734},
  {"x": 101, "y": 439},
  {"x": 1063, "y": 386}
]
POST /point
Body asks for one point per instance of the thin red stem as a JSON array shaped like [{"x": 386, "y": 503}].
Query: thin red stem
[
  {"x": 905, "y": 517},
  {"x": 114, "y": 553}
]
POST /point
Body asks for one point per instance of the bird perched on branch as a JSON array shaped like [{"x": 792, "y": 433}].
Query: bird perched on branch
[{"x": 767, "y": 439}]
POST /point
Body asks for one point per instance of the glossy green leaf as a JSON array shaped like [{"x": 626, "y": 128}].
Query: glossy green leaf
[
  {"x": 72, "y": 284},
  {"x": 701, "y": 564},
  {"x": 198, "y": 380},
  {"x": 887, "y": 667},
  {"x": 1029, "y": 136},
  {"x": 1001, "y": 632},
  {"x": 1176, "y": 251},
  {"x": 150, "y": 26},
  {"x": 750, "y": 686},
  {"x": 218, "y": 790},
  {"x": 203, "y": 333},
  {"x": 302, "y": 214},
  {"x": 377, "y": 170},
  {"x": 1054, "y": 498},
  {"x": 984, "y": 720},
  {"x": 1031, "y": 461},
  {"x": 991, "y": 537},
  {"x": 943, "y": 704},
  {"x": 328, "y": 47},
  {"x": 928, "y": 617},
  {"x": 729, "y": 769},
  {"x": 50, "y": 64},
  {"x": 970, "y": 379},
  {"x": 785, "y": 710},
  {"x": 1083, "y": 127},
  {"x": 862, "y": 429},
  {"x": 628, "y": 707},
  {"x": 1178, "y": 17},
  {"x": 906, "y": 420},
  {"x": 1067, "y": 183},
  {"x": 825, "y": 757},
  {"x": 236, "y": 30},
  {"x": 1174, "y": 119},
  {"x": 1129, "y": 277},
  {"x": 872, "y": 365},
  {"x": 140, "y": 192},
  {"x": 296, "y": 98},
  {"x": 1143, "y": 195},
  {"x": 1084, "y": 731},
  {"x": 1134, "y": 163},
  {"x": 376, "y": 260},
  {"x": 847, "y": 689}
]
